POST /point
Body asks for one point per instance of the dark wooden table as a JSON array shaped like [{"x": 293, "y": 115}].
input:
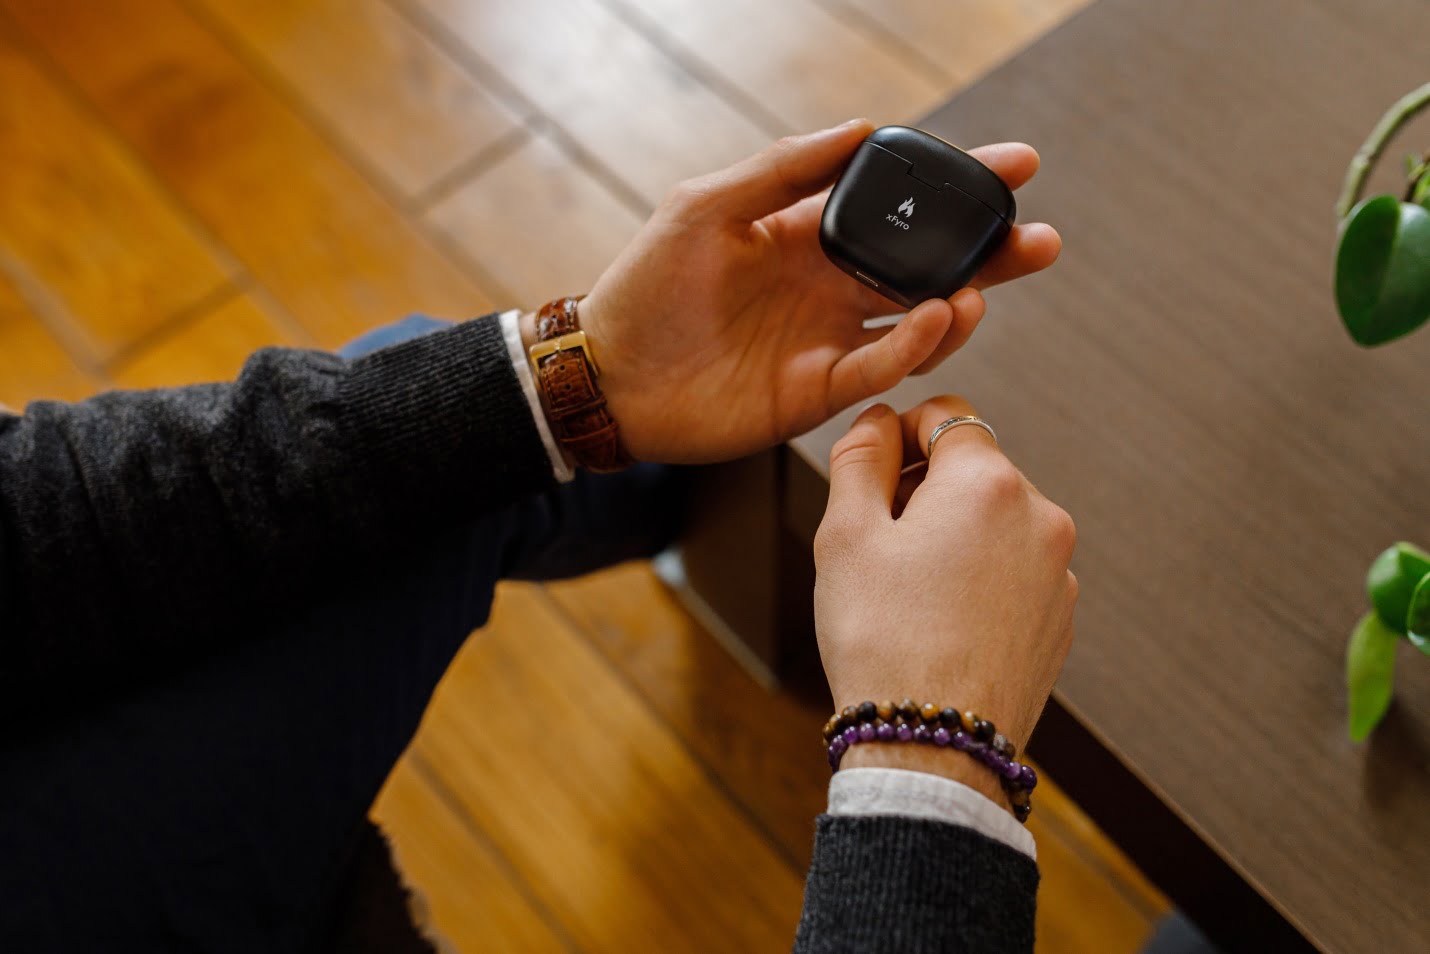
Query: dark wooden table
[{"x": 1181, "y": 384}]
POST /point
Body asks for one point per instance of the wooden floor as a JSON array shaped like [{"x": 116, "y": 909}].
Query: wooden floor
[{"x": 183, "y": 181}]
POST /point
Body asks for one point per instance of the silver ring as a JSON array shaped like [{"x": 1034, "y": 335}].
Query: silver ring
[{"x": 953, "y": 422}]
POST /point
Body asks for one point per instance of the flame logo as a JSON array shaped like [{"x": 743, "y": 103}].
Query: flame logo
[{"x": 907, "y": 207}]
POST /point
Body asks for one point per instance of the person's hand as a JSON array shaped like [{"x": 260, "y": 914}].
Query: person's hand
[
  {"x": 722, "y": 328},
  {"x": 952, "y": 589}
]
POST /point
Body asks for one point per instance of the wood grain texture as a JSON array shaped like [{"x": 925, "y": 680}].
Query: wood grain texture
[
  {"x": 1101, "y": 892},
  {"x": 806, "y": 84},
  {"x": 211, "y": 348},
  {"x": 538, "y": 222},
  {"x": 963, "y": 40},
  {"x": 1181, "y": 383},
  {"x": 625, "y": 101},
  {"x": 595, "y": 802},
  {"x": 316, "y": 234},
  {"x": 1083, "y": 907},
  {"x": 465, "y": 890},
  {"x": 33, "y": 365},
  {"x": 758, "y": 742},
  {"x": 377, "y": 83},
  {"x": 84, "y": 221}
]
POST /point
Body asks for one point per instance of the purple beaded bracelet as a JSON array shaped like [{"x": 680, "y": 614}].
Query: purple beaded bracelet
[{"x": 931, "y": 725}]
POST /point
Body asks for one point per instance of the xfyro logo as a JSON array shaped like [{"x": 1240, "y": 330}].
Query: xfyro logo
[{"x": 906, "y": 208}]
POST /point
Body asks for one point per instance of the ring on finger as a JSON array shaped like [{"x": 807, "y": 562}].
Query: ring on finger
[{"x": 953, "y": 422}]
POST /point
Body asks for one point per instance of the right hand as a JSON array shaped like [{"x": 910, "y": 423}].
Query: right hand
[
  {"x": 724, "y": 299},
  {"x": 963, "y": 599}
]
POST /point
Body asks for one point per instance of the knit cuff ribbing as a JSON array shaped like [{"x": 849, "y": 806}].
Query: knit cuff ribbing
[
  {"x": 433, "y": 408},
  {"x": 882, "y": 883}
]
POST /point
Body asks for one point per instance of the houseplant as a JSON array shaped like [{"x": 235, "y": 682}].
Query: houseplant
[{"x": 1382, "y": 288}]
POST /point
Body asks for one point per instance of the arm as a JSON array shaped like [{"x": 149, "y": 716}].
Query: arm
[
  {"x": 948, "y": 586},
  {"x": 139, "y": 522},
  {"x": 144, "y": 518}
]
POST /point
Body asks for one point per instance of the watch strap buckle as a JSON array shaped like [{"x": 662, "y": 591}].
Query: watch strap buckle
[{"x": 571, "y": 341}]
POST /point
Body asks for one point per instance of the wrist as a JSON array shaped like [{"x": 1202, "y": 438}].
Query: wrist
[
  {"x": 619, "y": 383},
  {"x": 526, "y": 323},
  {"x": 568, "y": 376}
]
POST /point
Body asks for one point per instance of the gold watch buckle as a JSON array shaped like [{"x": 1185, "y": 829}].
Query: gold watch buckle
[{"x": 567, "y": 342}]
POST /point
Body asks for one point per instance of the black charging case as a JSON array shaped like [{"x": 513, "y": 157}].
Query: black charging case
[{"x": 914, "y": 217}]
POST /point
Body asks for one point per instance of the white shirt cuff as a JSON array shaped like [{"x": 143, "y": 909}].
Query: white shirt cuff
[
  {"x": 511, "y": 331},
  {"x": 885, "y": 791}
]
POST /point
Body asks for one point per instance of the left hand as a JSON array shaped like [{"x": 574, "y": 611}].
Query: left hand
[
  {"x": 948, "y": 586},
  {"x": 722, "y": 328}
]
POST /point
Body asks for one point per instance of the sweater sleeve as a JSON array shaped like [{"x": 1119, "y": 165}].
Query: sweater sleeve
[
  {"x": 889, "y": 883},
  {"x": 136, "y": 523}
]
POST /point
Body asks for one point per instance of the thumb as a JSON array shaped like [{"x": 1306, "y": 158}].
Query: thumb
[
  {"x": 864, "y": 466},
  {"x": 790, "y": 170}
]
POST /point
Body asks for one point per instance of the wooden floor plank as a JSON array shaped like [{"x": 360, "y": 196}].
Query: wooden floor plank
[
  {"x": 794, "y": 58},
  {"x": 1102, "y": 860},
  {"x": 758, "y": 742},
  {"x": 33, "y": 365},
  {"x": 618, "y": 831},
  {"x": 1091, "y": 899},
  {"x": 376, "y": 81},
  {"x": 210, "y": 348},
  {"x": 83, "y": 220},
  {"x": 538, "y": 223},
  {"x": 630, "y": 105},
  {"x": 964, "y": 39},
  {"x": 465, "y": 891},
  {"x": 308, "y": 226}
]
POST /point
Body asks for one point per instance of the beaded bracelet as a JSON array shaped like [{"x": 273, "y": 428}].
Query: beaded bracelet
[{"x": 928, "y": 724}]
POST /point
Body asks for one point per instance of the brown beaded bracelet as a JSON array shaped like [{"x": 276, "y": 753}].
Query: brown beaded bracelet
[{"x": 945, "y": 727}]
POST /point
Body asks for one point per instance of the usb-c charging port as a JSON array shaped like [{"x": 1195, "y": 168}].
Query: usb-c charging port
[{"x": 866, "y": 279}]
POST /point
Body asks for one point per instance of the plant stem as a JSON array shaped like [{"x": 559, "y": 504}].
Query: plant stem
[
  {"x": 1418, "y": 182},
  {"x": 1395, "y": 117}
]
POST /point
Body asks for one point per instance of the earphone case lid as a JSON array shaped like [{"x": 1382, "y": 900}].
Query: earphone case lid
[{"x": 940, "y": 165}]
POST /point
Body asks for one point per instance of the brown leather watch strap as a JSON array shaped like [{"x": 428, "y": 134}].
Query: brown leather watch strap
[
  {"x": 557, "y": 318},
  {"x": 566, "y": 373}
]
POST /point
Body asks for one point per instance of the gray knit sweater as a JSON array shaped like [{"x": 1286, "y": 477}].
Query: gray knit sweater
[{"x": 142, "y": 530}]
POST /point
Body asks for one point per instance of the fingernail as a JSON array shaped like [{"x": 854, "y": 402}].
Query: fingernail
[
  {"x": 849, "y": 123},
  {"x": 872, "y": 413}
]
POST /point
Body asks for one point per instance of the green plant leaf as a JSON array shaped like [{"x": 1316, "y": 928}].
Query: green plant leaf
[
  {"x": 1370, "y": 671},
  {"x": 1417, "y": 613},
  {"x": 1383, "y": 270},
  {"x": 1391, "y": 581},
  {"x": 1417, "y": 618}
]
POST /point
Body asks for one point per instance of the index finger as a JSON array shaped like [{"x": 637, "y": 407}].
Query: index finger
[{"x": 864, "y": 465}]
